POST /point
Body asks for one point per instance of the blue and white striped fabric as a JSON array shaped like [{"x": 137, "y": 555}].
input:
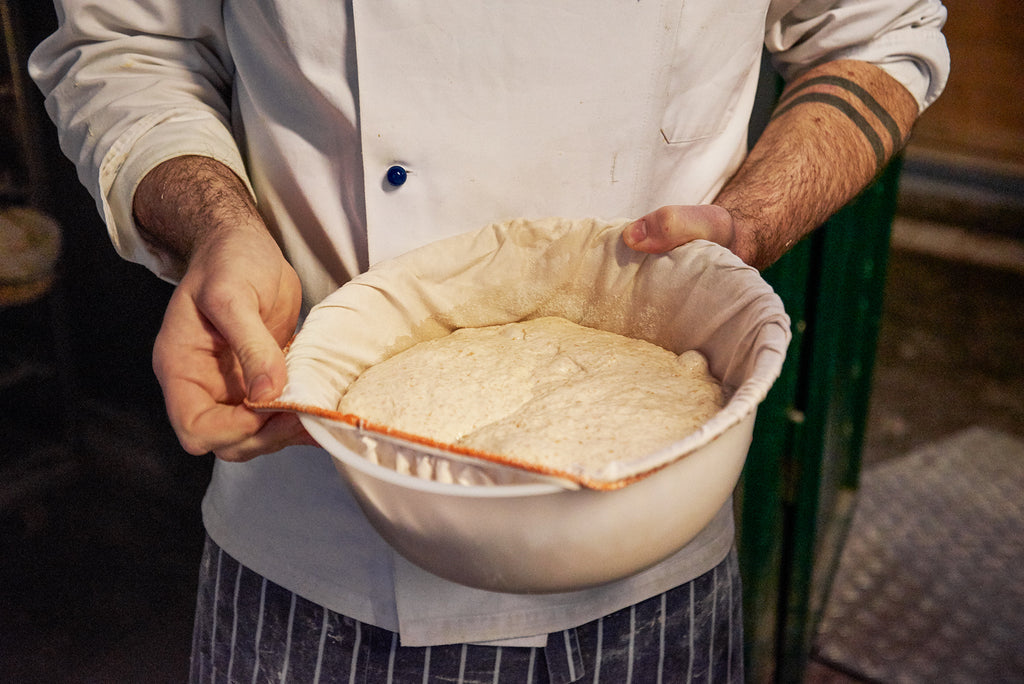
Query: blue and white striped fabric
[{"x": 251, "y": 630}]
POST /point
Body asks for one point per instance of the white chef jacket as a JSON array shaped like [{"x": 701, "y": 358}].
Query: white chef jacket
[{"x": 495, "y": 110}]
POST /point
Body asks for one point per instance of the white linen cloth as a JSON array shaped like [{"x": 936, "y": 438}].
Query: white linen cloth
[{"x": 700, "y": 296}]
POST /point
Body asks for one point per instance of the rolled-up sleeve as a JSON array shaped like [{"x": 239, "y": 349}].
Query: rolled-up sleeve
[
  {"x": 902, "y": 37},
  {"x": 130, "y": 85}
]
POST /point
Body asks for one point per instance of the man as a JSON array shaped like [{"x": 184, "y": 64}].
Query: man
[{"x": 259, "y": 153}]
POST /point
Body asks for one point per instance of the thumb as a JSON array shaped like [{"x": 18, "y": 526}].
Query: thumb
[
  {"x": 263, "y": 365},
  {"x": 669, "y": 227},
  {"x": 260, "y": 357}
]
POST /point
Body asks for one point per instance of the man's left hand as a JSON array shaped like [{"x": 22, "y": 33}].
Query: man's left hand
[{"x": 671, "y": 226}]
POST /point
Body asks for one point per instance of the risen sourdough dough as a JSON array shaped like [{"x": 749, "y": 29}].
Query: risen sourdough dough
[{"x": 547, "y": 392}]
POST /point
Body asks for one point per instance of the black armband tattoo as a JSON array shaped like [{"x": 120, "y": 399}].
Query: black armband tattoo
[
  {"x": 869, "y": 101},
  {"x": 846, "y": 108}
]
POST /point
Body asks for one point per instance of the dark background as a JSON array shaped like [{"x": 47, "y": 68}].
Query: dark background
[{"x": 98, "y": 555}]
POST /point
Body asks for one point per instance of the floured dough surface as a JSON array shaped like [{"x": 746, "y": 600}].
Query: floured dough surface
[{"x": 547, "y": 392}]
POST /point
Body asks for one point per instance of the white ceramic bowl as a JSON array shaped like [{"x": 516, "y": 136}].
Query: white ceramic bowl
[
  {"x": 539, "y": 538},
  {"x": 542, "y": 537}
]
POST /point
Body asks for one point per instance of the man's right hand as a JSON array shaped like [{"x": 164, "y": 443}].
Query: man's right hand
[{"x": 235, "y": 307}]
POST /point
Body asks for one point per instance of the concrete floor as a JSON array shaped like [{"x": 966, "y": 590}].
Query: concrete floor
[{"x": 96, "y": 585}]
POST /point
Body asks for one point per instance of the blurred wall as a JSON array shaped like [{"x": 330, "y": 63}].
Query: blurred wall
[
  {"x": 980, "y": 115},
  {"x": 965, "y": 161}
]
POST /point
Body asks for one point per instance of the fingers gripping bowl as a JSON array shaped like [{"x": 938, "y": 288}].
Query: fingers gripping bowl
[{"x": 485, "y": 524}]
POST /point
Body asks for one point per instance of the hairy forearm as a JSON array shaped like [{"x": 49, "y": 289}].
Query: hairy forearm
[
  {"x": 186, "y": 200},
  {"x": 833, "y": 130}
]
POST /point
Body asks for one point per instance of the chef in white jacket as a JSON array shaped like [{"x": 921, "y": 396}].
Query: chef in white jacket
[{"x": 259, "y": 153}]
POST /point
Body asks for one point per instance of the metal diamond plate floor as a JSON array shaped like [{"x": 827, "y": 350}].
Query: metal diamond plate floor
[{"x": 930, "y": 585}]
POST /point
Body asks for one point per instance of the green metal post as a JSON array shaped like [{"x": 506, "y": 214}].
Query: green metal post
[{"x": 798, "y": 488}]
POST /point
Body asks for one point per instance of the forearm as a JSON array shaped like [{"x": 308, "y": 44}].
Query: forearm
[
  {"x": 188, "y": 200},
  {"x": 235, "y": 306},
  {"x": 833, "y": 130}
]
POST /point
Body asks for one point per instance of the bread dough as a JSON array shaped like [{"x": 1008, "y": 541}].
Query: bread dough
[{"x": 546, "y": 392}]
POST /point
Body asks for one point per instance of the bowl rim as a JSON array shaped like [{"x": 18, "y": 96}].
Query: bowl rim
[{"x": 349, "y": 459}]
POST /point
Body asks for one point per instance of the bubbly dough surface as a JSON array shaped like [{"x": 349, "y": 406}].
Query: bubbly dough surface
[{"x": 545, "y": 391}]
